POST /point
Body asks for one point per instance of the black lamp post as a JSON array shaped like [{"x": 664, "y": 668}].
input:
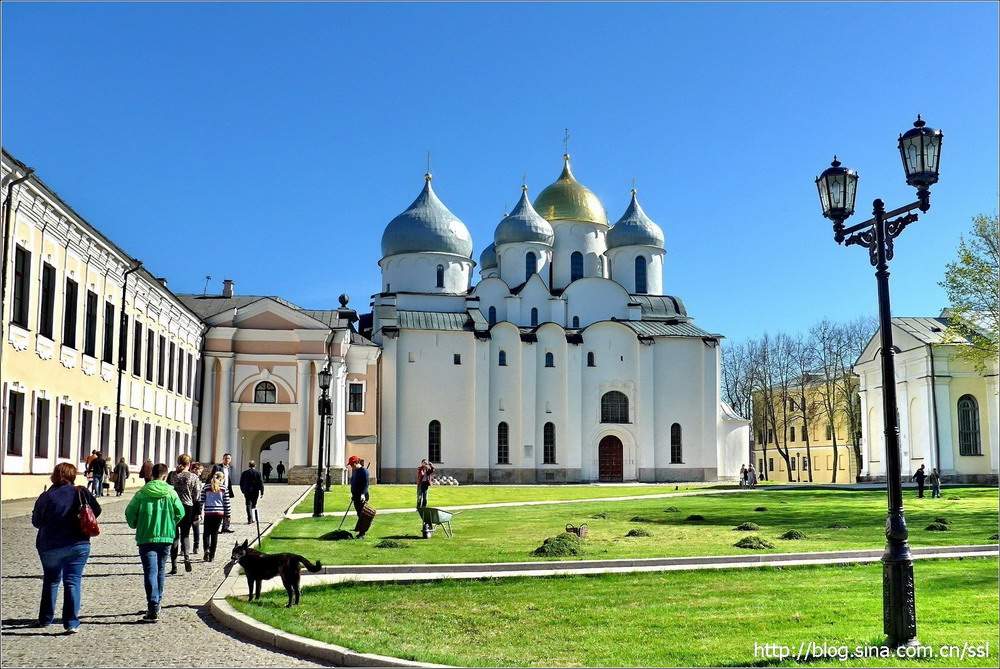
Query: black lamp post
[
  {"x": 328, "y": 424},
  {"x": 324, "y": 410},
  {"x": 920, "y": 149}
]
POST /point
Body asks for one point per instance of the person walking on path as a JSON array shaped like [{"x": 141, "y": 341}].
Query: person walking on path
[
  {"x": 187, "y": 485},
  {"x": 215, "y": 503},
  {"x": 62, "y": 546},
  {"x": 99, "y": 468},
  {"x": 120, "y": 474},
  {"x": 226, "y": 468},
  {"x": 266, "y": 469},
  {"x": 146, "y": 471},
  {"x": 920, "y": 477},
  {"x": 744, "y": 476},
  {"x": 281, "y": 471},
  {"x": 935, "y": 479},
  {"x": 359, "y": 487},
  {"x": 424, "y": 474},
  {"x": 252, "y": 487},
  {"x": 154, "y": 513}
]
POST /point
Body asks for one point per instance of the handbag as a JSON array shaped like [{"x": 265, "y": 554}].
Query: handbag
[{"x": 88, "y": 521}]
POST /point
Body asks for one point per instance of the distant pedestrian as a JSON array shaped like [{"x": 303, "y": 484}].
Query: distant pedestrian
[
  {"x": 920, "y": 477},
  {"x": 62, "y": 546},
  {"x": 752, "y": 476},
  {"x": 121, "y": 475},
  {"x": 744, "y": 476},
  {"x": 196, "y": 469},
  {"x": 266, "y": 469},
  {"x": 425, "y": 472},
  {"x": 154, "y": 513},
  {"x": 226, "y": 469},
  {"x": 252, "y": 487},
  {"x": 146, "y": 471},
  {"x": 215, "y": 505},
  {"x": 935, "y": 479},
  {"x": 281, "y": 471},
  {"x": 359, "y": 487},
  {"x": 99, "y": 469},
  {"x": 188, "y": 486}
]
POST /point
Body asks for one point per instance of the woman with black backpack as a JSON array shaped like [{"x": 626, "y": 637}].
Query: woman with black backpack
[{"x": 63, "y": 543}]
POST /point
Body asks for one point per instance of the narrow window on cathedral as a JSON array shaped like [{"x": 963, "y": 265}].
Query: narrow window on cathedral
[
  {"x": 591, "y": 362},
  {"x": 530, "y": 265},
  {"x": 675, "y": 444},
  {"x": 493, "y": 316},
  {"x": 534, "y": 316},
  {"x": 440, "y": 276},
  {"x": 502, "y": 359},
  {"x": 550, "y": 360},
  {"x": 640, "y": 275},
  {"x": 503, "y": 444},
  {"x": 576, "y": 266},
  {"x": 549, "y": 441},
  {"x": 576, "y": 321},
  {"x": 434, "y": 441},
  {"x": 457, "y": 358}
]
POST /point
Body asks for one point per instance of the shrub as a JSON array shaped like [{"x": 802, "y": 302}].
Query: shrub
[
  {"x": 747, "y": 527},
  {"x": 603, "y": 515},
  {"x": 761, "y": 508},
  {"x": 753, "y": 542},
  {"x": 336, "y": 535},
  {"x": 640, "y": 519},
  {"x": 390, "y": 543},
  {"x": 637, "y": 532},
  {"x": 838, "y": 526},
  {"x": 994, "y": 537},
  {"x": 793, "y": 535},
  {"x": 942, "y": 520},
  {"x": 953, "y": 497},
  {"x": 671, "y": 509},
  {"x": 695, "y": 518},
  {"x": 937, "y": 527},
  {"x": 561, "y": 545}
]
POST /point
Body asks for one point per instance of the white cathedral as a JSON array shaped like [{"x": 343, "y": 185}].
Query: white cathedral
[{"x": 566, "y": 362}]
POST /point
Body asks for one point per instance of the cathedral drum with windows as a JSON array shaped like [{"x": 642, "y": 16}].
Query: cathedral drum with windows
[{"x": 564, "y": 363}]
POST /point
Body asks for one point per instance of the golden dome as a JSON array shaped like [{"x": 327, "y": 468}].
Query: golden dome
[{"x": 569, "y": 200}]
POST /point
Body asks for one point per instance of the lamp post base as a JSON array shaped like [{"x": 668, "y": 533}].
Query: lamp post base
[{"x": 899, "y": 611}]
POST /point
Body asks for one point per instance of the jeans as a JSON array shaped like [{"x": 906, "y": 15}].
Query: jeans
[
  {"x": 422, "y": 489},
  {"x": 212, "y": 524},
  {"x": 154, "y": 570},
  {"x": 63, "y": 564},
  {"x": 935, "y": 490},
  {"x": 183, "y": 534}
]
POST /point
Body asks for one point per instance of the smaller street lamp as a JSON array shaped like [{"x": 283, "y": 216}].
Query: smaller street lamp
[
  {"x": 329, "y": 448},
  {"x": 838, "y": 187},
  {"x": 324, "y": 410}
]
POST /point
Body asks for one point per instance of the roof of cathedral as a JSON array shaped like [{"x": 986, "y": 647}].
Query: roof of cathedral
[
  {"x": 433, "y": 320},
  {"x": 488, "y": 258},
  {"x": 660, "y": 307},
  {"x": 635, "y": 228},
  {"x": 568, "y": 200},
  {"x": 523, "y": 224},
  {"x": 666, "y": 329},
  {"x": 426, "y": 226}
]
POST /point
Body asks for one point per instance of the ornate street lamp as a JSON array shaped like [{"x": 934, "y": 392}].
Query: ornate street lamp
[
  {"x": 325, "y": 375},
  {"x": 920, "y": 149},
  {"x": 329, "y": 448}
]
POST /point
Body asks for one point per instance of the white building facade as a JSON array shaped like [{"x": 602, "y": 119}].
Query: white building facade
[
  {"x": 564, "y": 363},
  {"x": 948, "y": 410}
]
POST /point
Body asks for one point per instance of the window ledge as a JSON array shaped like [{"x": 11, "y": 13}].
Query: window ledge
[
  {"x": 18, "y": 337},
  {"x": 68, "y": 356}
]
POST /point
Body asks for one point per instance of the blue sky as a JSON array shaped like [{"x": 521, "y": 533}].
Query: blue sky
[{"x": 272, "y": 143}]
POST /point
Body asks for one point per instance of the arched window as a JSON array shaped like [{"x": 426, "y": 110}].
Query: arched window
[
  {"x": 576, "y": 266},
  {"x": 591, "y": 362},
  {"x": 503, "y": 444},
  {"x": 492, "y": 316},
  {"x": 969, "y": 442},
  {"x": 640, "y": 275},
  {"x": 614, "y": 407},
  {"x": 265, "y": 393},
  {"x": 440, "y": 276},
  {"x": 530, "y": 265},
  {"x": 502, "y": 359},
  {"x": 576, "y": 321},
  {"x": 793, "y": 433},
  {"x": 534, "y": 316},
  {"x": 549, "y": 444},
  {"x": 434, "y": 441},
  {"x": 675, "y": 444},
  {"x": 550, "y": 360}
]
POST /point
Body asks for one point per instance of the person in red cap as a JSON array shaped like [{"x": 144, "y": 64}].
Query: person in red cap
[{"x": 359, "y": 486}]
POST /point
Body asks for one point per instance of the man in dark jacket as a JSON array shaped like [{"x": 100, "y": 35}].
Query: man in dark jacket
[
  {"x": 359, "y": 486},
  {"x": 99, "y": 468},
  {"x": 920, "y": 477},
  {"x": 226, "y": 467},
  {"x": 252, "y": 487}
]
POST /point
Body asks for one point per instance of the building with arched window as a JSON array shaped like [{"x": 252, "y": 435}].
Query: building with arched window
[
  {"x": 559, "y": 287},
  {"x": 948, "y": 409}
]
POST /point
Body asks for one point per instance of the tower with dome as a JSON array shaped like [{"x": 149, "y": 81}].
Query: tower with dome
[{"x": 565, "y": 362}]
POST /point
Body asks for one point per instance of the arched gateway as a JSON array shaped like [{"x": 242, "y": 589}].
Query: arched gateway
[{"x": 610, "y": 459}]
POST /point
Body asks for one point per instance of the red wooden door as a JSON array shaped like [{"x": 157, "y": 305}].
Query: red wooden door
[{"x": 609, "y": 459}]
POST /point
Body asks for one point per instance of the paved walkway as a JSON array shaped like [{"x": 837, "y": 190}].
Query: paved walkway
[{"x": 113, "y": 601}]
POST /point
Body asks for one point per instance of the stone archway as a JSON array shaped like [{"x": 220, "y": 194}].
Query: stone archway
[
  {"x": 273, "y": 450},
  {"x": 610, "y": 459}
]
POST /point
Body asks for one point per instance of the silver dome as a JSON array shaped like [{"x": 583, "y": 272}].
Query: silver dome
[
  {"x": 523, "y": 224},
  {"x": 426, "y": 226},
  {"x": 634, "y": 228},
  {"x": 488, "y": 258}
]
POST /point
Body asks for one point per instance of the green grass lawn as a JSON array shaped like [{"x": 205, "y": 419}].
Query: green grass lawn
[
  {"x": 389, "y": 496},
  {"x": 510, "y": 534},
  {"x": 688, "y": 618}
]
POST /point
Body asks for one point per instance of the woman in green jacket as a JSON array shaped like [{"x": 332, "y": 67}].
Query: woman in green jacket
[{"x": 153, "y": 513}]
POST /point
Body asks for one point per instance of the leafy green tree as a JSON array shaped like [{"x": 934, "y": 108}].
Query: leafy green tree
[{"x": 972, "y": 282}]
